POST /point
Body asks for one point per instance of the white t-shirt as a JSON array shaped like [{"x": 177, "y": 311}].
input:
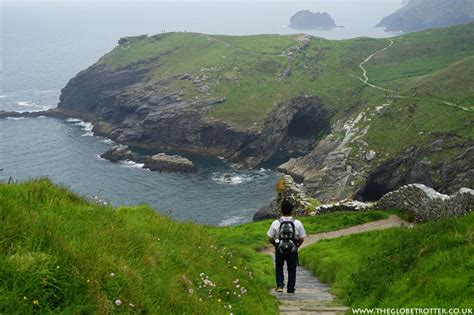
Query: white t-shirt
[{"x": 273, "y": 231}]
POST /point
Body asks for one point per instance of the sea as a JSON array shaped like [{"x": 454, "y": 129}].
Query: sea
[{"x": 45, "y": 44}]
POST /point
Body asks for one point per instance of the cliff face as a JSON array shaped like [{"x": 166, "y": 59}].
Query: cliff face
[
  {"x": 425, "y": 14},
  {"x": 146, "y": 113}
]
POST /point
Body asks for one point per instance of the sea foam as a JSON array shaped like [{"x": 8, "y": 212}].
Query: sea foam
[{"x": 128, "y": 163}]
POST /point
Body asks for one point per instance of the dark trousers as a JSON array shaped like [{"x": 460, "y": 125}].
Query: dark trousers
[{"x": 291, "y": 263}]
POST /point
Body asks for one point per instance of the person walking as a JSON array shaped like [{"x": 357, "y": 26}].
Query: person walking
[{"x": 287, "y": 235}]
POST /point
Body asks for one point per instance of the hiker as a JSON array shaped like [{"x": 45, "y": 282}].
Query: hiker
[{"x": 286, "y": 234}]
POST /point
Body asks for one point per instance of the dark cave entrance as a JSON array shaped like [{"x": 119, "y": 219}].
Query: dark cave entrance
[
  {"x": 304, "y": 125},
  {"x": 372, "y": 192}
]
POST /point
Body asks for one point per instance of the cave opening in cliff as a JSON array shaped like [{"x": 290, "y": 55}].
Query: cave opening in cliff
[
  {"x": 306, "y": 126},
  {"x": 373, "y": 191}
]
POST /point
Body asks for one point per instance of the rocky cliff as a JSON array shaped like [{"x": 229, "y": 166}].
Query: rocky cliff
[
  {"x": 171, "y": 112},
  {"x": 252, "y": 99},
  {"x": 425, "y": 14}
]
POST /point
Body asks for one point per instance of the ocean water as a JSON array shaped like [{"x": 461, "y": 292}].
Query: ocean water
[{"x": 43, "y": 45}]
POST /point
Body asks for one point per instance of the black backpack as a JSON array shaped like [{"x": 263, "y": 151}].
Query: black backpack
[{"x": 287, "y": 237}]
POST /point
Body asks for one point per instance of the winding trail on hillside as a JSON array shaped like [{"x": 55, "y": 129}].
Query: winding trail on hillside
[
  {"x": 312, "y": 296},
  {"x": 365, "y": 79}
]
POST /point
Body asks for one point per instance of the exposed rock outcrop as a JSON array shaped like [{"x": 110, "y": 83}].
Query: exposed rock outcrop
[
  {"x": 426, "y": 203},
  {"x": 332, "y": 171},
  {"x": 414, "y": 166},
  {"x": 326, "y": 171},
  {"x": 118, "y": 153},
  {"x": 286, "y": 189},
  {"x": 168, "y": 163},
  {"x": 292, "y": 126},
  {"x": 306, "y": 19},
  {"x": 425, "y": 14}
]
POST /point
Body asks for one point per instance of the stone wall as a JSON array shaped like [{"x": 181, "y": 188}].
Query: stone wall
[
  {"x": 426, "y": 203},
  {"x": 344, "y": 205},
  {"x": 423, "y": 202}
]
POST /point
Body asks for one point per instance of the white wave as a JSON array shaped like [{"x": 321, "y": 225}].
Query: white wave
[
  {"x": 128, "y": 163},
  {"x": 107, "y": 140},
  {"x": 232, "y": 221},
  {"x": 239, "y": 178},
  {"x": 99, "y": 158},
  {"x": 87, "y": 127},
  {"x": 15, "y": 118},
  {"x": 26, "y": 103},
  {"x": 46, "y": 91},
  {"x": 3, "y": 96},
  {"x": 41, "y": 116},
  {"x": 31, "y": 105},
  {"x": 220, "y": 157},
  {"x": 73, "y": 120},
  {"x": 231, "y": 178}
]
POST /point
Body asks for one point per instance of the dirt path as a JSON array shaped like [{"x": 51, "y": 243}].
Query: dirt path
[
  {"x": 364, "y": 71},
  {"x": 365, "y": 79},
  {"x": 312, "y": 296}
]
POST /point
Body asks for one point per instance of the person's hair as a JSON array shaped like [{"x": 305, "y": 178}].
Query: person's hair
[{"x": 286, "y": 207}]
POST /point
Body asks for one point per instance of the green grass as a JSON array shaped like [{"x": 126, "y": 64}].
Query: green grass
[
  {"x": 422, "y": 53},
  {"x": 63, "y": 254},
  {"x": 58, "y": 252},
  {"x": 431, "y": 265},
  {"x": 253, "y": 235}
]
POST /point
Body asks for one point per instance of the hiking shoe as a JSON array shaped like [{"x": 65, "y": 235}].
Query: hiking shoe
[
  {"x": 279, "y": 289},
  {"x": 291, "y": 292}
]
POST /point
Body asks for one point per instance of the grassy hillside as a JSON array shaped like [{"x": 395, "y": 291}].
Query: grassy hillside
[
  {"x": 247, "y": 69},
  {"x": 429, "y": 265},
  {"x": 60, "y": 253}
]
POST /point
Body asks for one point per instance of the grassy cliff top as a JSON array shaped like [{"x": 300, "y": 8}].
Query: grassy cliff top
[{"x": 254, "y": 73}]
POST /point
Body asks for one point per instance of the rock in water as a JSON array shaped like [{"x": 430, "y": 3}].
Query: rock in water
[
  {"x": 306, "y": 19},
  {"x": 169, "y": 163},
  {"x": 118, "y": 153}
]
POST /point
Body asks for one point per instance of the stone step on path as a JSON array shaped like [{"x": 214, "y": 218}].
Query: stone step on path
[{"x": 312, "y": 296}]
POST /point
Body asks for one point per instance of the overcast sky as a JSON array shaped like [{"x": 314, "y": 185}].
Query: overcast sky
[{"x": 314, "y": 1}]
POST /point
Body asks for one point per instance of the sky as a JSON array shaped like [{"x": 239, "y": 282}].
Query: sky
[{"x": 197, "y": 1}]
